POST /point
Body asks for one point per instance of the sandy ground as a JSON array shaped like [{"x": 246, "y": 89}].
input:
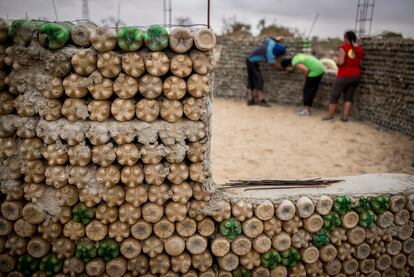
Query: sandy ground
[{"x": 274, "y": 143}]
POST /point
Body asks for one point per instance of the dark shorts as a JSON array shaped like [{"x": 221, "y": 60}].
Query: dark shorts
[
  {"x": 345, "y": 86},
  {"x": 254, "y": 76},
  {"x": 310, "y": 89}
]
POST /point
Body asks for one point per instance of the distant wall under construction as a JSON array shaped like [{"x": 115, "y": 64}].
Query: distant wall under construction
[{"x": 385, "y": 95}]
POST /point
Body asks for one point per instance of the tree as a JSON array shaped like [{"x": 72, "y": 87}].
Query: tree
[
  {"x": 112, "y": 22},
  {"x": 183, "y": 20},
  {"x": 391, "y": 34},
  {"x": 278, "y": 30},
  {"x": 233, "y": 26}
]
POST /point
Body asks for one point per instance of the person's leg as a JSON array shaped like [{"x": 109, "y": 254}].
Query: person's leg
[
  {"x": 347, "y": 110},
  {"x": 260, "y": 95},
  {"x": 334, "y": 98},
  {"x": 258, "y": 83},
  {"x": 309, "y": 93},
  {"x": 348, "y": 97},
  {"x": 250, "y": 83}
]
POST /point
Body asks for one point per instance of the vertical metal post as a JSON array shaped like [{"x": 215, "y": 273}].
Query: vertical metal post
[
  {"x": 372, "y": 16},
  {"x": 55, "y": 10},
  {"x": 170, "y": 14},
  {"x": 208, "y": 14},
  {"x": 164, "y": 12}
]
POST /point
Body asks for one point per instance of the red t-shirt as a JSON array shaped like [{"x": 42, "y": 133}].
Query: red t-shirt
[{"x": 352, "y": 64}]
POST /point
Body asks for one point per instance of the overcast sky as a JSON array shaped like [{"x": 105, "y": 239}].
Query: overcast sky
[{"x": 335, "y": 16}]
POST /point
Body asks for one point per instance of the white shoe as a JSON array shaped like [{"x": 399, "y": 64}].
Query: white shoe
[{"x": 303, "y": 112}]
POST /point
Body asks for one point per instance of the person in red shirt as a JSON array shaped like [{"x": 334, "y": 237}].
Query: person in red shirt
[{"x": 347, "y": 79}]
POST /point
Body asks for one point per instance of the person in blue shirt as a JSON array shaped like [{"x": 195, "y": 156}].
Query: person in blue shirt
[{"x": 267, "y": 52}]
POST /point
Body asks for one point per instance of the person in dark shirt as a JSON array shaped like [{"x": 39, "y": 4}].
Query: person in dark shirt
[{"x": 267, "y": 52}]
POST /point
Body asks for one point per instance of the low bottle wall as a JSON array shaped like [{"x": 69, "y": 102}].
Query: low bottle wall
[{"x": 104, "y": 171}]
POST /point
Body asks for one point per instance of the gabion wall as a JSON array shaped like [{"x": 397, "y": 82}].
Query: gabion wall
[
  {"x": 385, "y": 95},
  {"x": 104, "y": 170}
]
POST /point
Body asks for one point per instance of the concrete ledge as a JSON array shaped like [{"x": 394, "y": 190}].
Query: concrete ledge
[{"x": 367, "y": 185}]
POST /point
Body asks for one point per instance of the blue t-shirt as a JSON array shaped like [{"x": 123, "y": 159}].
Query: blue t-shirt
[{"x": 268, "y": 51}]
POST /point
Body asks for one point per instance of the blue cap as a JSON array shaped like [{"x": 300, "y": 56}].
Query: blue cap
[{"x": 279, "y": 49}]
